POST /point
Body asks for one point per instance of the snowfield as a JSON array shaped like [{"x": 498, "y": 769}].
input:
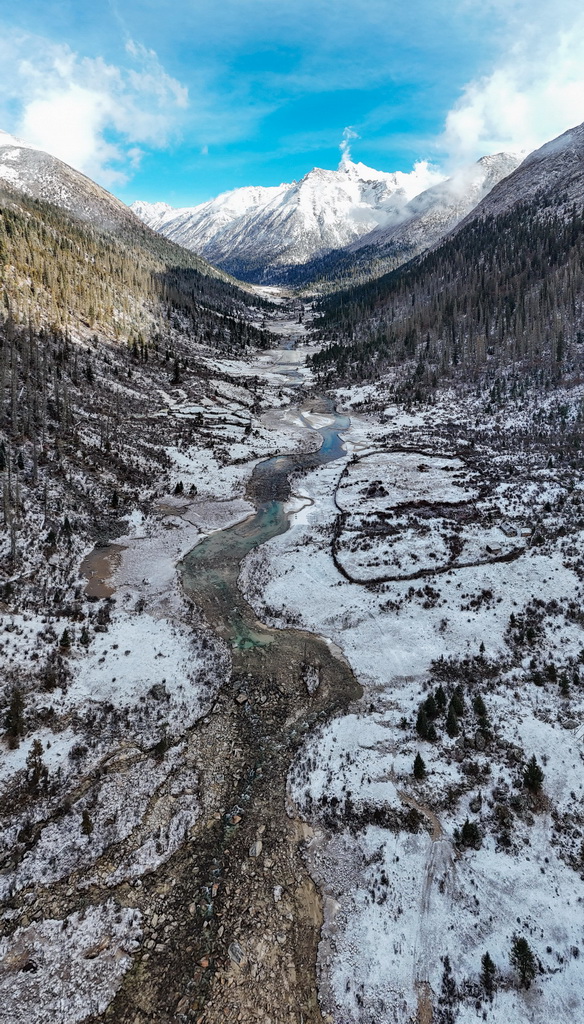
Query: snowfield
[
  {"x": 59, "y": 972},
  {"x": 382, "y": 481},
  {"x": 401, "y": 890}
]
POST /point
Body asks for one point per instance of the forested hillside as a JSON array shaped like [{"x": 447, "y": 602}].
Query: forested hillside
[
  {"x": 57, "y": 270},
  {"x": 505, "y": 289}
]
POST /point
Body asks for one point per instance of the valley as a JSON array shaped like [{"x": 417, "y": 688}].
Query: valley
[{"x": 292, "y": 639}]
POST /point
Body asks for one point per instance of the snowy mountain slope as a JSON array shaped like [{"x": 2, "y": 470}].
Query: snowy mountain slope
[
  {"x": 254, "y": 231},
  {"x": 430, "y": 215},
  {"x": 555, "y": 171},
  {"x": 41, "y": 176},
  {"x": 423, "y": 221},
  {"x": 521, "y": 242},
  {"x": 28, "y": 172},
  {"x": 197, "y": 226}
]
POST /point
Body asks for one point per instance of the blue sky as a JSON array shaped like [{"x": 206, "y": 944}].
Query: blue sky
[{"x": 182, "y": 101}]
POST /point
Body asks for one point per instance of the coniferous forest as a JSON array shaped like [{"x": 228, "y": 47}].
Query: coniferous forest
[{"x": 504, "y": 291}]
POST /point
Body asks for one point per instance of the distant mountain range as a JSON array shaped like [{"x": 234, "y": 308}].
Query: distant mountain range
[{"x": 329, "y": 221}]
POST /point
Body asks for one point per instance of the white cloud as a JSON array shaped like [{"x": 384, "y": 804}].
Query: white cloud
[
  {"x": 345, "y": 146},
  {"x": 534, "y": 94},
  {"x": 85, "y": 111}
]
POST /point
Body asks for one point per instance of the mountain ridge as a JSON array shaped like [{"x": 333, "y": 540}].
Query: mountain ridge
[
  {"x": 503, "y": 286},
  {"x": 255, "y": 231},
  {"x": 296, "y": 232}
]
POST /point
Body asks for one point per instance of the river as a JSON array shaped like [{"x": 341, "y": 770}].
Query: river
[
  {"x": 261, "y": 907},
  {"x": 211, "y": 569}
]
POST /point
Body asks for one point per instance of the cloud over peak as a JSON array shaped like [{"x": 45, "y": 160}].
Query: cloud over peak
[{"x": 534, "y": 93}]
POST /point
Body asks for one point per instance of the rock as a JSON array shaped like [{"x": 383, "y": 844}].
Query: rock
[
  {"x": 241, "y": 698},
  {"x": 235, "y": 953},
  {"x": 94, "y": 952},
  {"x": 255, "y": 848}
]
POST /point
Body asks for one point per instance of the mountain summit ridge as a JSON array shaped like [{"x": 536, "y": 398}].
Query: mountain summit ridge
[
  {"x": 264, "y": 233},
  {"x": 256, "y": 231}
]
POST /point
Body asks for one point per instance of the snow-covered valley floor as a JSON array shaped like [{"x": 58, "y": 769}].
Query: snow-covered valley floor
[
  {"x": 421, "y": 877},
  {"x": 447, "y": 565}
]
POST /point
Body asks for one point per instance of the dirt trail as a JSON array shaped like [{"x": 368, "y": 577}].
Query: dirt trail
[
  {"x": 438, "y": 871},
  {"x": 425, "y": 1008}
]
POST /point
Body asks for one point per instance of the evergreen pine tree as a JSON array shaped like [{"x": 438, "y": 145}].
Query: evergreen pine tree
[
  {"x": 14, "y": 718},
  {"x": 523, "y": 960},
  {"x": 452, "y": 726},
  {"x": 479, "y": 706},
  {"x": 420, "y": 770},
  {"x": 440, "y": 698},
  {"x": 422, "y": 724},
  {"x": 470, "y": 834},
  {"x": 533, "y": 776},
  {"x": 37, "y": 771},
  {"x": 488, "y": 972},
  {"x": 431, "y": 707},
  {"x": 65, "y": 640},
  {"x": 457, "y": 701}
]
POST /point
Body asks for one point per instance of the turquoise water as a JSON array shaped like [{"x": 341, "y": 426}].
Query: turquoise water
[{"x": 211, "y": 569}]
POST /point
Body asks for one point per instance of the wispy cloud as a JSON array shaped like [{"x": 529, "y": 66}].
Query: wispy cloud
[
  {"x": 90, "y": 113},
  {"x": 534, "y": 92},
  {"x": 345, "y": 145},
  {"x": 271, "y": 84}
]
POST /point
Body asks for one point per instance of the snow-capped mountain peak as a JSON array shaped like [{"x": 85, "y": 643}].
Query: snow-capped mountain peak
[
  {"x": 256, "y": 231},
  {"x": 6, "y": 139}
]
